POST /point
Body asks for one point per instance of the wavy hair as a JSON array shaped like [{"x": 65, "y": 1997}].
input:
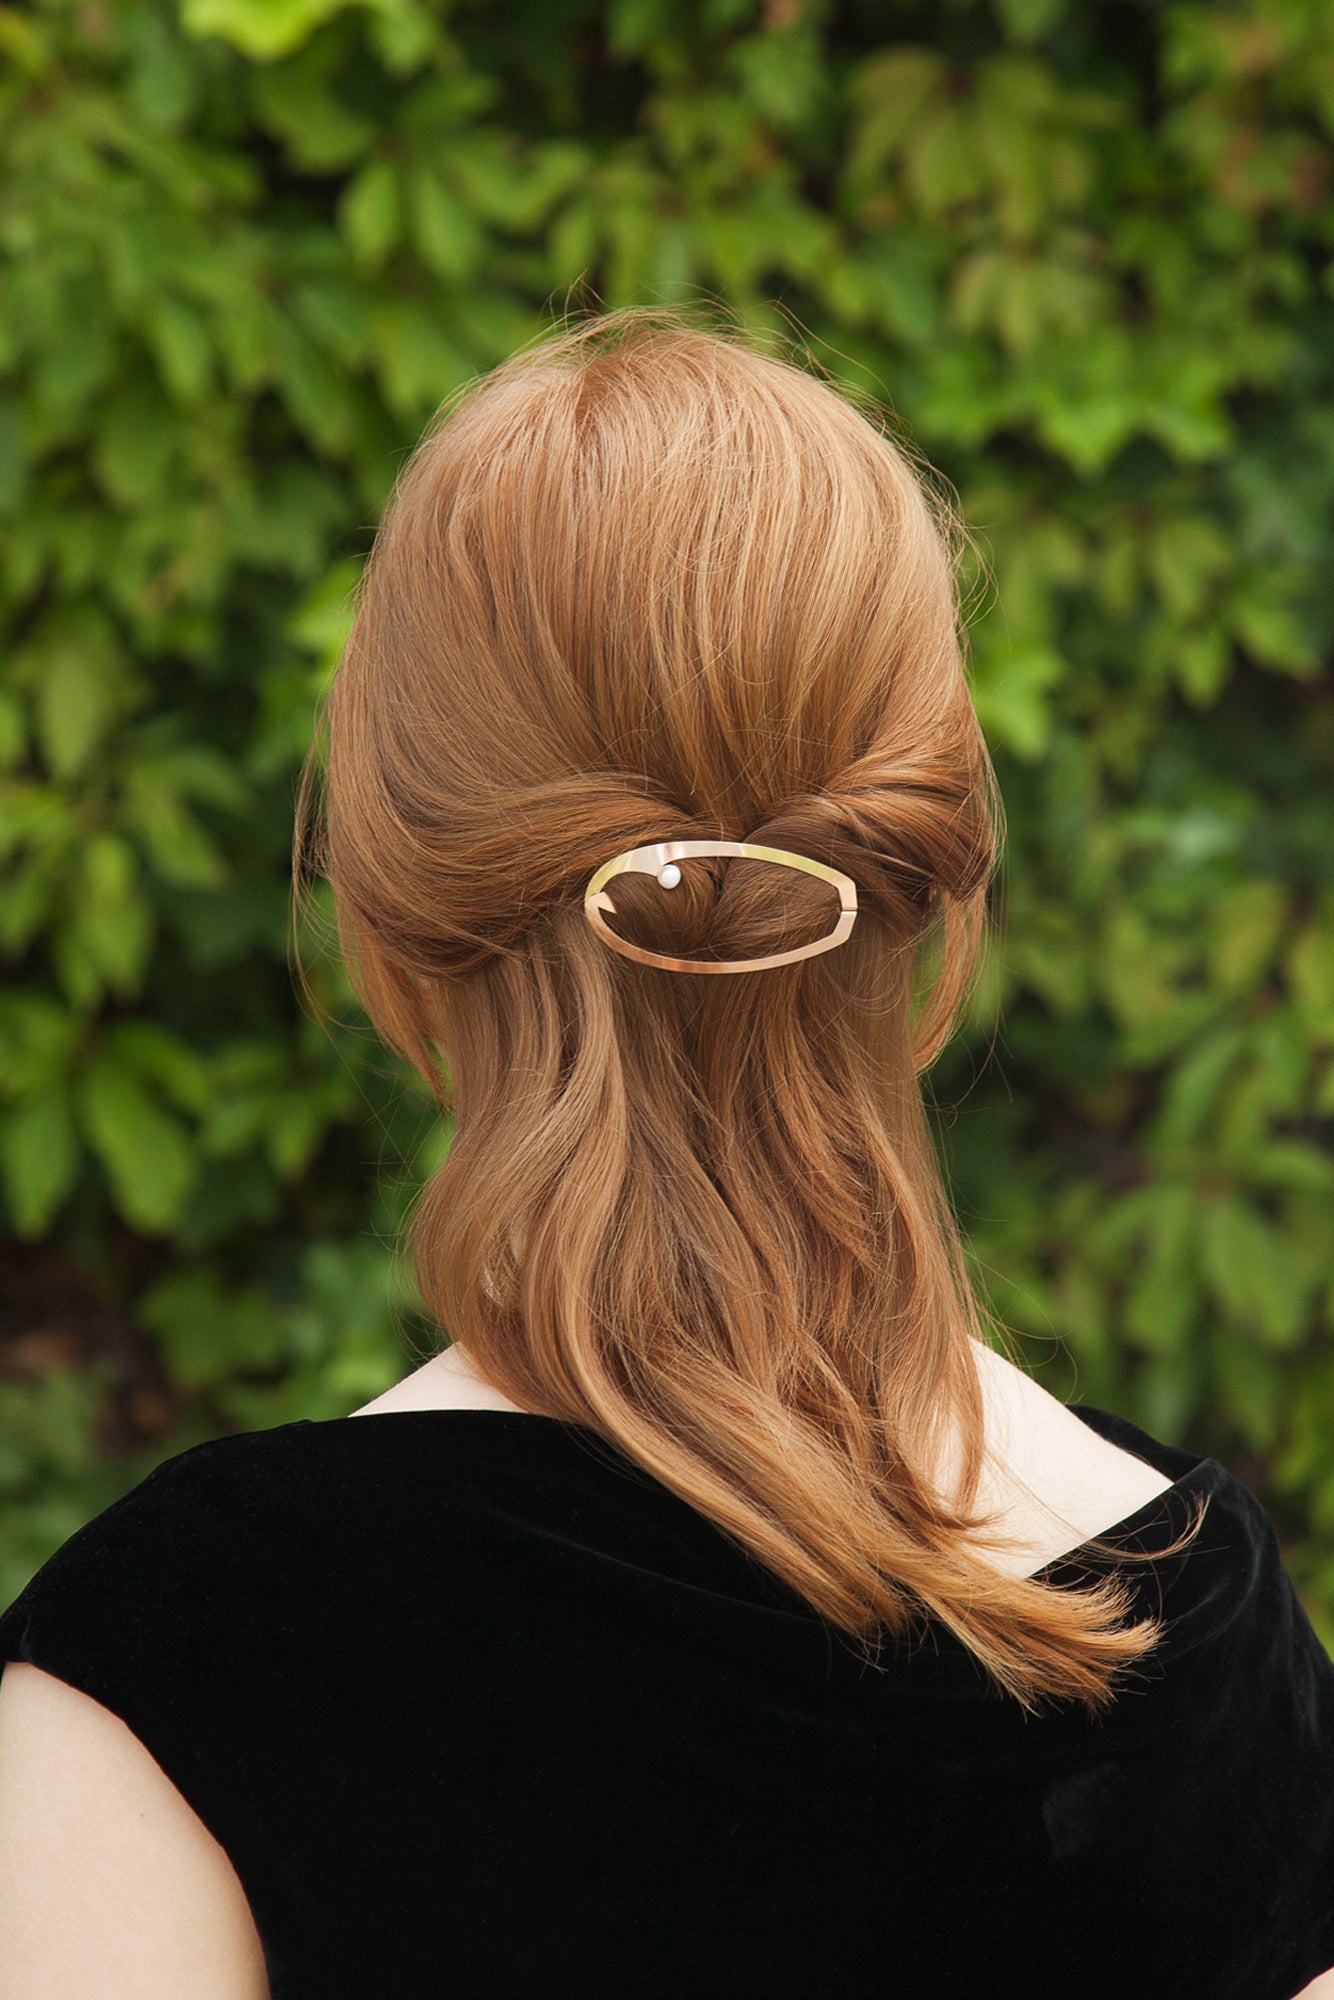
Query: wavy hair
[{"x": 646, "y": 581}]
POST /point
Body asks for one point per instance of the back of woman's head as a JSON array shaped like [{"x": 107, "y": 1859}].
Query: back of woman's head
[{"x": 646, "y": 582}]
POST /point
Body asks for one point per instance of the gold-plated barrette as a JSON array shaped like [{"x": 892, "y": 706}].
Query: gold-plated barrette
[{"x": 660, "y": 859}]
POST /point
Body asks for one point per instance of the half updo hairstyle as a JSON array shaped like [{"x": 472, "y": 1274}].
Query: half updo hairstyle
[{"x": 645, "y": 581}]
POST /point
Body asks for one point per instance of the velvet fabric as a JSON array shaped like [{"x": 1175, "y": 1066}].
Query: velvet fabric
[{"x": 480, "y": 1710}]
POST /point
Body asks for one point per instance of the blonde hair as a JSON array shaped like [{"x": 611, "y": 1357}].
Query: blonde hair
[{"x": 645, "y": 581}]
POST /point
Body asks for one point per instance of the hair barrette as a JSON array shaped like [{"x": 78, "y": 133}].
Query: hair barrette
[{"x": 660, "y": 859}]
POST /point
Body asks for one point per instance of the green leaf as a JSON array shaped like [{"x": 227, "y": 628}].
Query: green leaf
[
  {"x": 181, "y": 347},
  {"x": 941, "y": 160},
  {"x": 33, "y": 887},
  {"x": 368, "y": 212},
  {"x": 419, "y": 364},
  {"x": 1283, "y": 1063},
  {"x": 13, "y": 731},
  {"x": 1203, "y": 662},
  {"x": 887, "y": 93},
  {"x": 1310, "y": 971},
  {"x": 1162, "y": 1299},
  {"x": 111, "y": 918},
  {"x": 314, "y": 389},
  {"x": 39, "y": 1157},
  {"x": 13, "y": 454},
  {"x": 1248, "y": 923},
  {"x": 295, "y": 1124},
  {"x": 321, "y": 621},
  {"x": 176, "y": 845},
  {"x": 265, "y": 29},
  {"x": 1030, "y": 20},
  {"x": 1132, "y": 970},
  {"x": 206, "y": 1333},
  {"x": 1270, "y": 629},
  {"x": 336, "y": 314},
  {"x": 1087, "y": 432},
  {"x": 1195, "y": 1086},
  {"x": 246, "y": 329},
  {"x": 148, "y": 1159},
  {"x": 38, "y": 1038},
  {"x": 75, "y": 665},
  {"x": 1250, "y": 1274},
  {"x": 1291, "y": 1165},
  {"x": 513, "y": 185},
  {"x": 785, "y": 76},
  {"x": 236, "y": 1123},
  {"x": 1185, "y": 556},
  {"x": 195, "y": 770},
  {"x": 163, "y": 80},
  {"x": 448, "y": 237},
  {"x": 301, "y": 100},
  {"x": 1250, "y": 1387},
  {"x": 405, "y": 41},
  {"x": 75, "y": 356},
  {"x": 1012, "y": 697},
  {"x": 133, "y": 440},
  {"x": 158, "y": 1057},
  {"x": 1322, "y": 1097}
]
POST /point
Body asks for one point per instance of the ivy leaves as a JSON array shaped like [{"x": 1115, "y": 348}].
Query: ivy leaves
[{"x": 249, "y": 248}]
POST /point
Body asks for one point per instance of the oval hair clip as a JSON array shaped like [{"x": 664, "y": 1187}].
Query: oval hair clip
[{"x": 663, "y": 855}]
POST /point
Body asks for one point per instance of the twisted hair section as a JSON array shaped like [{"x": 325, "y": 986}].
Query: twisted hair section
[{"x": 649, "y": 581}]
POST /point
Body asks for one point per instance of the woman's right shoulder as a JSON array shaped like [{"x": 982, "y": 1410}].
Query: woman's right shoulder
[{"x": 1056, "y": 1482}]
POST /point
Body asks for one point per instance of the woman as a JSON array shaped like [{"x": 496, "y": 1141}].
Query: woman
[{"x": 720, "y": 1613}]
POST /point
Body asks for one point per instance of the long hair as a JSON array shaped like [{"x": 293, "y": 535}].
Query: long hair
[{"x": 646, "y": 581}]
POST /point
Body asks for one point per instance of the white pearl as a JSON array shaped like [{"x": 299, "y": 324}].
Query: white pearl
[{"x": 669, "y": 875}]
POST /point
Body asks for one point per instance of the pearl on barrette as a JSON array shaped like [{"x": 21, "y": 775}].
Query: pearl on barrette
[{"x": 669, "y": 875}]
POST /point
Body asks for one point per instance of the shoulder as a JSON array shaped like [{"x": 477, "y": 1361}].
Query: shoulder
[
  {"x": 109, "y": 1881},
  {"x": 1226, "y": 1594},
  {"x": 118, "y": 1835},
  {"x": 137, "y": 1566},
  {"x": 1056, "y": 1480},
  {"x": 155, "y": 1608}
]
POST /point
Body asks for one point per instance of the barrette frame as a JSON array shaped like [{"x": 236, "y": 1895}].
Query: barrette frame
[{"x": 648, "y": 861}]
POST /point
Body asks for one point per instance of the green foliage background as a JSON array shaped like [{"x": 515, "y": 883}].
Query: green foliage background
[{"x": 1083, "y": 249}]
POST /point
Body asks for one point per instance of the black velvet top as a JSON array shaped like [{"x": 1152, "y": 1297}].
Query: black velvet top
[{"x": 479, "y": 1709}]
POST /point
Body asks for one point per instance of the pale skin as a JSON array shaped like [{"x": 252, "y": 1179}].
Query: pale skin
[{"x": 111, "y": 1888}]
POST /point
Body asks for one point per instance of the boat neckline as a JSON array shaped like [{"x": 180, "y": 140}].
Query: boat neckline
[{"x": 1204, "y": 1471}]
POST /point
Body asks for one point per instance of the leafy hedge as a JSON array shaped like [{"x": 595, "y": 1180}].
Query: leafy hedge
[{"x": 1085, "y": 252}]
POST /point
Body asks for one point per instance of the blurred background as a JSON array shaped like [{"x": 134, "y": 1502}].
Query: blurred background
[{"x": 1083, "y": 251}]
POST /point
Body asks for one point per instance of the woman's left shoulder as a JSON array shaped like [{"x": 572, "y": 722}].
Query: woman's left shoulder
[{"x": 134, "y": 1574}]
